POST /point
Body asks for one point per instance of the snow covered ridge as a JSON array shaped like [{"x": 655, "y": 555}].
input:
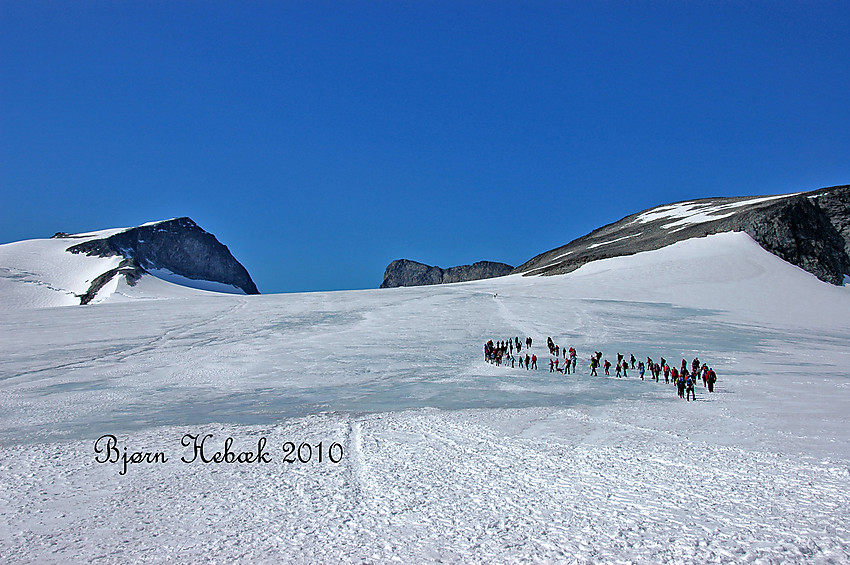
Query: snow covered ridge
[
  {"x": 808, "y": 229},
  {"x": 70, "y": 269}
]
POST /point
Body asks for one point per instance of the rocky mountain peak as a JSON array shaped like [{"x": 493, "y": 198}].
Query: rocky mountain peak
[
  {"x": 404, "y": 272},
  {"x": 177, "y": 246},
  {"x": 810, "y": 230}
]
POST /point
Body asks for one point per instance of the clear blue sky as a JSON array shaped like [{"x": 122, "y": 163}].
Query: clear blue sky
[{"x": 321, "y": 140}]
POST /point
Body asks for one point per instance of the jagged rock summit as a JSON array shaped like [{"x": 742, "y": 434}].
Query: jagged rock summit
[
  {"x": 177, "y": 250},
  {"x": 808, "y": 229},
  {"x": 168, "y": 259},
  {"x": 403, "y": 272}
]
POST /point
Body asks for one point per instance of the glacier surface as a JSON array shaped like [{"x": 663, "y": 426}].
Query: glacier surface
[{"x": 444, "y": 458}]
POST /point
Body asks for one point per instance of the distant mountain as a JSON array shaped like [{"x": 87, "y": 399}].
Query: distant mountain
[
  {"x": 81, "y": 268},
  {"x": 404, "y": 272},
  {"x": 810, "y": 230},
  {"x": 172, "y": 247}
]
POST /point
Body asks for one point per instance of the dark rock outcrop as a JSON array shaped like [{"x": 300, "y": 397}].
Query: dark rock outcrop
[
  {"x": 179, "y": 246},
  {"x": 810, "y": 230},
  {"x": 128, "y": 268},
  {"x": 404, "y": 272}
]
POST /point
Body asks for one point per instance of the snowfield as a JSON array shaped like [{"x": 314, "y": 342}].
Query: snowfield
[
  {"x": 440, "y": 456},
  {"x": 39, "y": 273}
]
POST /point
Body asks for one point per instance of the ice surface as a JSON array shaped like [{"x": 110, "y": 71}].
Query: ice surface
[{"x": 446, "y": 458}]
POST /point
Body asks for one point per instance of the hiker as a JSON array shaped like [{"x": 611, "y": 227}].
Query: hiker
[
  {"x": 689, "y": 388},
  {"x": 606, "y": 366},
  {"x": 534, "y": 361}
]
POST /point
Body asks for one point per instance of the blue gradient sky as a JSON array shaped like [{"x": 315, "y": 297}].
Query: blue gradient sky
[{"x": 321, "y": 140}]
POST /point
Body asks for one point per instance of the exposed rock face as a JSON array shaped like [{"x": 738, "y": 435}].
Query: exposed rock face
[
  {"x": 810, "y": 230},
  {"x": 128, "y": 268},
  {"x": 476, "y": 271},
  {"x": 404, "y": 272},
  {"x": 177, "y": 245},
  {"x": 835, "y": 203}
]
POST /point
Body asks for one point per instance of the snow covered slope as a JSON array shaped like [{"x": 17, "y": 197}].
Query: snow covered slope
[
  {"x": 810, "y": 230},
  {"x": 441, "y": 457},
  {"x": 40, "y": 272},
  {"x": 70, "y": 269}
]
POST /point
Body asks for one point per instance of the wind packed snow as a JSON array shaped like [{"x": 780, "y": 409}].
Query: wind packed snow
[
  {"x": 212, "y": 286},
  {"x": 40, "y": 273},
  {"x": 155, "y": 223},
  {"x": 699, "y": 212},
  {"x": 444, "y": 457}
]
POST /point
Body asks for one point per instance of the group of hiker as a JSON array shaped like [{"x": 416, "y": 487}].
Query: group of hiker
[
  {"x": 684, "y": 380},
  {"x": 502, "y": 352}
]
